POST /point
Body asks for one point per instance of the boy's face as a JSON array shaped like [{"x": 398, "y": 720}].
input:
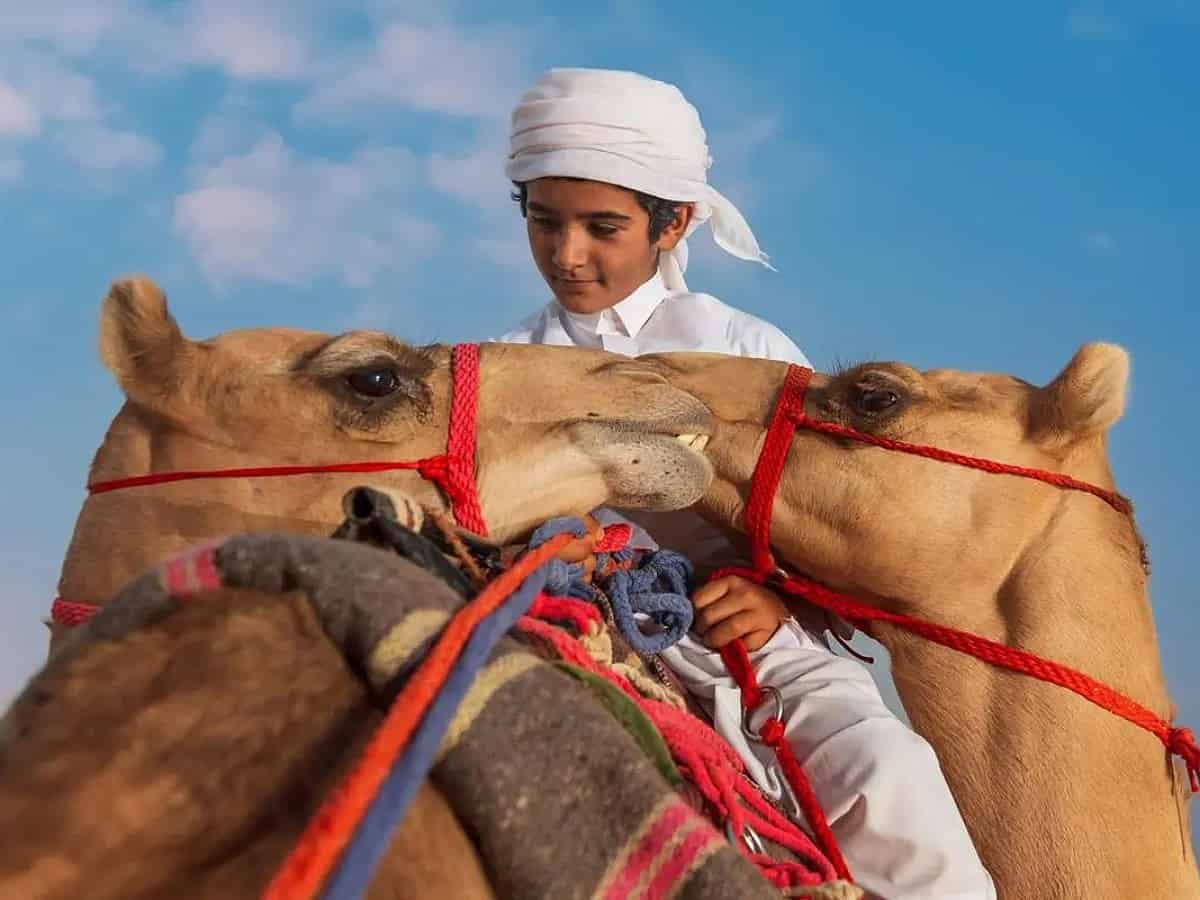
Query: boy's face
[{"x": 591, "y": 241}]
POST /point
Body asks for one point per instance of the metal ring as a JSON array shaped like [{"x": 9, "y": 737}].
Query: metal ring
[{"x": 768, "y": 692}]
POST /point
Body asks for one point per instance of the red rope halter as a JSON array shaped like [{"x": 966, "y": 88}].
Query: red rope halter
[
  {"x": 453, "y": 471},
  {"x": 789, "y": 415}
]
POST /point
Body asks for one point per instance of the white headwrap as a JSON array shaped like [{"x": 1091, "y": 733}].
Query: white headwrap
[{"x": 632, "y": 131}]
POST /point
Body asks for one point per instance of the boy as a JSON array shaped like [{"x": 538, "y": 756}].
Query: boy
[{"x": 611, "y": 175}]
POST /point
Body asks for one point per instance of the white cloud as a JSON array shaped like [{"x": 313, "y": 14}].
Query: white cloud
[
  {"x": 1100, "y": 243},
  {"x": 473, "y": 72},
  {"x": 1094, "y": 24},
  {"x": 72, "y": 26},
  {"x": 269, "y": 215},
  {"x": 52, "y": 91},
  {"x": 103, "y": 148},
  {"x": 477, "y": 177},
  {"x": 268, "y": 38},
  {"x": 17, "y": 114},
  {"x": 261, "y": 40},
  {"x": 248, "y": 41},
  {"x": 46, "y": 98},
  {"x": 511, "y": 252}
]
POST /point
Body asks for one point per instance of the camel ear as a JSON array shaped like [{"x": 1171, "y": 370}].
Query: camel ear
[
  {"x": 1087, "y": 398},
  {"x": 140, "y": 342}
]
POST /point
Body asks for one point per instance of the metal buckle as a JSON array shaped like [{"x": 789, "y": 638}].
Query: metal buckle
[
  {"x": 768, "y": 692},
  {"x": 749, "y": 836}
]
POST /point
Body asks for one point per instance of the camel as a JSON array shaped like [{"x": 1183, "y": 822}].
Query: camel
[
  {"x": 559, "y": 432},
  {"x": 1062, "y": 798}
]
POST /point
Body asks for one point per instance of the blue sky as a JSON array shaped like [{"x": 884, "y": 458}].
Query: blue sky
[{"x": 982, "y": 186}]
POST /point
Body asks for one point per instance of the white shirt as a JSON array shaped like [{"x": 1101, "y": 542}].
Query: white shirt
[
  {"x": 878, "y": 781},
  {"x": 655, "y": 320}
]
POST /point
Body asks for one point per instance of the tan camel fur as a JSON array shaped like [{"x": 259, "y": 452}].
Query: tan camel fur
[
  {"x": 560, "y": 431},
  {"x": 1063, "y": 799}
]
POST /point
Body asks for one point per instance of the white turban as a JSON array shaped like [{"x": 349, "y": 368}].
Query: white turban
[{"x": 626, "y": 129}]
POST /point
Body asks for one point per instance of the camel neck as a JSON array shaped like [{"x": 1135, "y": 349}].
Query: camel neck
[{"x": 1050, "y": 766}]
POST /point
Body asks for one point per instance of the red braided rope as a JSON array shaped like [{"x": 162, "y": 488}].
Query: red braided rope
[
  {"x": 768, "y": 470},
  {"x": 459, "y": 482},
  {"x": 613, "y": 537},
  {"x": 69, "y": 613},
  {"x": 788, "y": 416},
  {"x": 737, "y": 660}
]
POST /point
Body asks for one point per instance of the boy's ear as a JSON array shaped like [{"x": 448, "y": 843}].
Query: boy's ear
[{"x": 673, "y": 233}]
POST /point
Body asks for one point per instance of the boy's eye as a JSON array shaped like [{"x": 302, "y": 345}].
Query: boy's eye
[
  {"x": 603, "y": 229},
  {"x": 542, "y": 221}
]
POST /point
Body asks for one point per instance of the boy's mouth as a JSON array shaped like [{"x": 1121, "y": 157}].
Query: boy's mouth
[{"x": 575, "y": 284}]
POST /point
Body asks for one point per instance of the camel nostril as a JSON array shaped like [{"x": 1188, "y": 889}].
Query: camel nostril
[{"x": 362, "y": 504}]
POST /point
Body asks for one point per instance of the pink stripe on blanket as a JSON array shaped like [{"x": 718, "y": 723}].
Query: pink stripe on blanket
[
  {"x": 700, "y": 843},
  {"x": 192, "y": 571},
  {"x": 675, "y": 816}
]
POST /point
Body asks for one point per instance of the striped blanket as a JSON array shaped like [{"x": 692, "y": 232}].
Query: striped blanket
[{"x": 564, "y": 790}]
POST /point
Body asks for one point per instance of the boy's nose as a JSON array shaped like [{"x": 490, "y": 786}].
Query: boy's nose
[{"x": 570, "y": 252}]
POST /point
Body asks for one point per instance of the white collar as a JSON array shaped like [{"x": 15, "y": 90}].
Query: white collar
[{"x": 632, "y": 313}]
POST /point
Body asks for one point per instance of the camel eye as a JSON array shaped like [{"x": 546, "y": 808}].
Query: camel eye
[
  {"x": 374, "y": 383},
  {"x": 874, "y": 400}
]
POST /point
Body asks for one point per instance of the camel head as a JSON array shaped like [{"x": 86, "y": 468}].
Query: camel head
[
  {"x": 559, "y": 431},
  {"x": 901, "y": 530},
  {"x": 1053, "y": 571}
]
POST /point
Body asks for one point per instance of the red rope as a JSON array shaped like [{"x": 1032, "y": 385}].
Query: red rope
[
  {"x": 737, "y": 660},
  {"x": 563, "y": 609},
  {"x": 769, "y": 468},
  {"x": 66, "y": 612},
  {"x": 1057, "y": 479},
  {"x": 328, "y": 832},
  {"x": 432, "y": 468},
  {"x": 613, "y": 537},
  {"x": 1179, "y": 741},
  {"x": 459, "y": 482}
]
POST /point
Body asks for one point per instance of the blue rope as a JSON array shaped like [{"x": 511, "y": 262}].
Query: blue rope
[
  {"x": 657, "y": 587},
  {"x": 374, "y": 833}
]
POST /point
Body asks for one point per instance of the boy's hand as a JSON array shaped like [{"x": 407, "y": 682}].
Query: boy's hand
[{"x": 732, "y": 607}]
